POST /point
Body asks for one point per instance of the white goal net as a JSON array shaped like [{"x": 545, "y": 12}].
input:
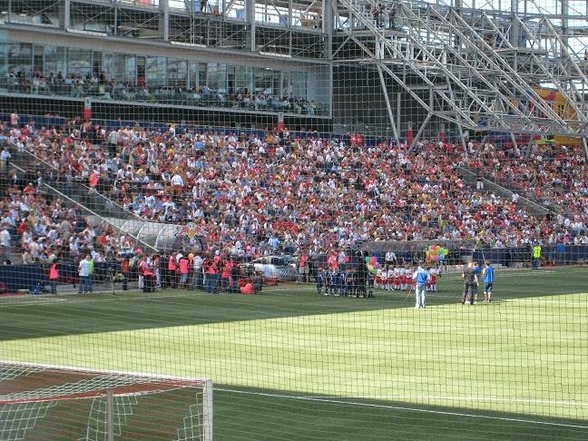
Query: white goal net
[{"x": 45, "y": 402}]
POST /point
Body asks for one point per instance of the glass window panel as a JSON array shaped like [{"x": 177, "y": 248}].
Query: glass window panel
[
  {"x": 177, "y": 71},
  {"x": 244, "y": 79},
  {"x": 202, "y": 74},
  {"x": 298, "y": 84},
  {"x": 156, "y": 71},
  {"x": 97, "y": 63},
  {"x": 3, "y": 60},
  {"x": 54, "y": 61},
  {"x": 107, "y": 65},
  {"x": 276, "y": 86},
  {"x": 130, "y": 69},
  {"x": 123, "y": 68},
  {"x": 286, "y": 89},
  {"x": 193, "y": 74},
  {"x": 263, "y": 80},
  {"x": 20, "y": 58},
  {"x": 217, "y": 76},
  {"x": 79, "y": 63}
]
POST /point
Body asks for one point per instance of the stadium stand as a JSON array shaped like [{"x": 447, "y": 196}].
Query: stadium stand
[{"x": 248, "y": 188}]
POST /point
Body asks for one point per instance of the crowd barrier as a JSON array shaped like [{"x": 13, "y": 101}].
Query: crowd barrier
[
  {"x": 550, "y": 255},
  {"x": 15, "y": 278}
]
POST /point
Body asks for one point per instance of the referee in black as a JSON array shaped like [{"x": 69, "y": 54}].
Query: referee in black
[{"x": 470, "y": 285}]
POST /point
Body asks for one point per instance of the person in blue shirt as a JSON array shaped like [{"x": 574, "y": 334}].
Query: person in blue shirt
[
  {"x": 421, "y": 276},
  {"x": 488, "y": 281}
]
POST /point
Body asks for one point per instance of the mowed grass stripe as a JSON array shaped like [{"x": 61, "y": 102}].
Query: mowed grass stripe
[{"x": 501, "y": 357}]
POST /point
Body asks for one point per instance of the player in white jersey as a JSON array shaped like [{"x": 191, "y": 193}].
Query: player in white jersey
[
  {"x": 396, "y": 273},
  {"x": 434, "y": 273}
]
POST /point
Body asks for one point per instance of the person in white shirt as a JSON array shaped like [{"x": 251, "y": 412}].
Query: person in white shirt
[
  {"x": 390, "y": 258},
  {"x": 432, "y": 285},
  {"x": 85, "y": 272},
  {"x": 5, "y": 240},
  {"x": 14, "y": 119},
  {"x": 177, "y": 184},
  {"x": 4, "y": 159},
  {"x": 198, "y": 276}
]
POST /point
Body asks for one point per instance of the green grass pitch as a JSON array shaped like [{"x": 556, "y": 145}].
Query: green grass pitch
[{"x": 291, "y": 365}]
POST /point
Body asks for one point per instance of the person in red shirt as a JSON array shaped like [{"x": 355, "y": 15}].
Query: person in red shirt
[
  {"x": 148, "y": 276},
  {"x": 211, "y": 271},
  {"x": 53, "y": 276},
  {"x": 171, "y": 271},
  {"x": 303, "y": 267},
  {"x": 226, "y": 274},
  {"x": 93, "y": 180},
  {"x": 29, "y": 188},
  {"x": 184, "y": 269},
  {"x": 125, "y": 269},
  {"x": 248, "y": 289}
]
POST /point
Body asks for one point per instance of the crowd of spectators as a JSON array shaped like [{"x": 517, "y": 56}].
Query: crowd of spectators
[
  {"x": 40, "y": 228},
  {"x": 250, "y": 195},
  {"x": 554, "y": 176},
  {"x": 101, "y": 86}
]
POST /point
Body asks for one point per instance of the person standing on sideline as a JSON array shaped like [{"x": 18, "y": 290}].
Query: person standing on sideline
[
  {"x": 156, "y": 264},
  {"x": 85, "y": 271},
  {"x": 478, "y": 273},
  {"x": 148, "y": 275},
  {"x": 435, "y": 273},
  {"x": 488, "y": 274},
  {"x": 198, "y": 278},
  {"x": 536, "y": 256},
  {"x": 53, "y": 276},
  {"x": 125, "y": 270},
  {"x": 421, "y": 276},
  {"x": 471, "y": 281},
  {"x": 303, "y": 267},
  {"x": 172, "y": 268},
  {"x": 90, "y": 281},
  {"x": 184, "y": 270}
]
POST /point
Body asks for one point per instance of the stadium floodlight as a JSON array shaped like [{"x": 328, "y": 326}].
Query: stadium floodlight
[{"x": 74, "y": 403}]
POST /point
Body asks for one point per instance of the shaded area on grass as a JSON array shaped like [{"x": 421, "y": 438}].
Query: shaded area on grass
[
  {"x": 263, "y": 415},
  {"x": 47, "y": 316}
]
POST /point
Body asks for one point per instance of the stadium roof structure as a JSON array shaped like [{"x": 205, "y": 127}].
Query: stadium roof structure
[{"x": 484, "y": 65}]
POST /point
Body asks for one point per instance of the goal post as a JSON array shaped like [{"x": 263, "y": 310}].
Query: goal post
[{"x": 91, "y": 405}]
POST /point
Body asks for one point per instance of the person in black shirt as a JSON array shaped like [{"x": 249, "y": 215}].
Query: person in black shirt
[{"x": 470, "y": 285}]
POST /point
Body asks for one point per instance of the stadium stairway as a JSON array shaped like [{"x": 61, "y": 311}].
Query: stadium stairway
[
  {"x": 77, "y": 191},
  {"x": 91, "y": 204},
  {"x": 473, "y": 178}
]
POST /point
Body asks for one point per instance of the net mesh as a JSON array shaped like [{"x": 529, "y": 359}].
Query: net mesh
[
  {"x": 363, "y": 219},
  {"x": 66, "y": 403}
]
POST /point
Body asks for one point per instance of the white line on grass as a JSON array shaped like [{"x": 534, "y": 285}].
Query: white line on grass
[
  {"x": 525, "y": 273},
  {"x": 477, "y": 398},
  {"x": 96, "y": 297},
  {"x": 28, "y": 301},
  {"x": 562, "y": 302},
  {"x": 411, "y": 409}
]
